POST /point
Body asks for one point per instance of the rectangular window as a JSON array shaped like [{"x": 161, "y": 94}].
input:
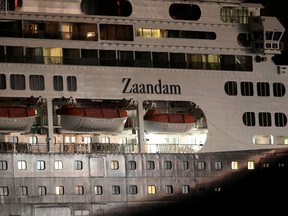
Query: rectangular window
[
  {"x": 168, "y": 189},
  {"x": 71, "y": 83},
  {"x": 2, "y": 81},
  {"x": 185, "y": 189},
  {"x": 22, "y": 165},
  {"x": 3, "y": 165},
  {"x": 151, "y": 189},
  {"x": 235, "y": 165},
  {"x": 79, "y": 190},
  {"x": 218, "y": 165},
  {"x": 150, "y": 165},
  {"x": 4, "y": 191},
  {"x": 58, "y": 83},
  {"x": 42, "y": 190},
  {"x": 115, "y": 189},
  {"x": 23, "y": 191},
  {"x": 40, "y": 165},
  {"x": 59, "y": 190},
  {"x": 58, "y": 165},
  {"x": 114, "y": 165},
  {"x": 81, "y": 213},
  {"x": 167, "y": 165},
  {"x": 133, "y": 189},
  {"x": 78, "y": 165},
  {"x": 131, "y": 165},
  {"x": 98, "y": 190},
  {"x": 17, "y": 82},
  {"x": 36, "y": 82},
  {"x": 184, "y": 165}
]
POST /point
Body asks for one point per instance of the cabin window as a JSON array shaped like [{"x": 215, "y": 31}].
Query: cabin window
[
  {"x": 201, "y": 165},
  {"x": 82, "y": 213},
  {"x": 143, "y": 59},
  {"x": 116, "y": 32},
  {"x": 132, "y": 165},
  {"x": 151, "y": 189},
  {"x": 59, "y": 190},
  {"x": 263, "y": 89},
  {"x": 167, "y": 165},
  {"x": 234, "y": 15},
  {"x": 177, "y": 60},
  {"x": 184, "y": 165},
  {"x": 218, "y": 165},
  {"x": 22, "y": 165},
  {"x": 279, "y": 89},
  {"x": 264, "y": 119},
  {"x": 133, "y": 189},
  {"x": 42, "y": 191},
  {"x": 78, "y": 165},
  {"x": 185, "y": 189},
  {"x": 98, "y": 190},
  {"x": 150, "y": 165},
  {"x": 40, "y": 164},
  {"x": 160, "y": 60},
  {"x": 106, "y": 140},
  {"x": 249, "y": 119},
  {"x": 250, "y": 165},
  {"x": 3, "y": 165},
  {"x": 17, "y": 82},
  {"x": 122, "y": 8},
  {"x": 71, "y": 83},
  {"x": 180, "y": 11},
  {"x": 231, "y": 88},
  {"x": 168, "y": 189},
  {"x": 52, "y": 55},
  {"x": 247, "y": 89},
  {"x": 33, "y": 140},
  {"x": 2, "y": 81},
  {"x": 79, "y": 190},
  {"x": 280, "y": 119},
  {"x": 71, "y": 56},
  {"x": 58, "y": 165},
  {"x": 58, "y": 83},
  {"x": 23, "y": 191},
  {"x": 4, "y": 191},
  {"x": 107, "y": 57},
  {"x": 126, "y": 58},
  {"x": 15, "y": 54},
  {"x": 114, "y": 165},
  {"x": 235, "y": 165},
  {"x": 115, "y": 189}
]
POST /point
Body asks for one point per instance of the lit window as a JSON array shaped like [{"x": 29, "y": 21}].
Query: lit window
[
  {"x": 41, "y": 165},
  {"x": 22, "y": 165},
  {"x": 58, "y": 165},
  {"x": 114, "y": 165},
  {"x": 151, "y": 189},
  {"x": 59, "y": 190},
  {"x": 251, "y": 165},
  {"x": 98, "y": 190},
  {"x": 235, "y": 165}
]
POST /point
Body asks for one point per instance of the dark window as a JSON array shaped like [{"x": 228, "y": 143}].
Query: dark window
[
  {"x": 116, "y": 32},
  {"x": 160, "y": 60},
  {"x": 184, "y": 11},
  {"x": 126, "y": 58},
  {"x": 107, "y": 57},
  {"x": 115, "y": 189},
  {"x": 131, "y": 165},
  {"x": 280, "y": 119},
  {"x": 36, "y": 82},
  {"x": 263, "y": 89},
  {"x": 167, "y": 165},
  {"x": 133, "y": 189},
  {"x": 107, "y": 7},
  {"x": 17, "y": 82},
  {"x": 2, "y": 81},
  {"x": 150, "y": 165},
  {"x": 71, "y": 83},
  {"x": 264, "y": 119},
  {"x": 231, "y": 88},
  {"x": 279, "y": 90},
  {"x": 247, "y": 89},
  {"x": 249, "y": 118},
  {"x": 58, "y": 83}
]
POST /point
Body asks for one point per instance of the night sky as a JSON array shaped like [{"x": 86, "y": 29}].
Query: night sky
[{"x": 279, "y": 9}]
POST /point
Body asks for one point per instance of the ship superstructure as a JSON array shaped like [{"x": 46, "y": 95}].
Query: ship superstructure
[{"x": 130, "y": 107}]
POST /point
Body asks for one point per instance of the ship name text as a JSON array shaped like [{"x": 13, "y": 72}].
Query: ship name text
[{"x": 148, "y": 88}]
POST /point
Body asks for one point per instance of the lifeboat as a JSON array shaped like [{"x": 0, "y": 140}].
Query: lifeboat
[
  {"x": 92, "y": 119},
  {"x": 16, "y": 118},
  {"x": 157, "y": 122}
]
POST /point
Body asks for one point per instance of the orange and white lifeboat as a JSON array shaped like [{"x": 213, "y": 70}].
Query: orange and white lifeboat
[
  {"x": 92, "y": 119},
  {"x": 157, "y": 122},
  {"x": 16, "y": 118}
]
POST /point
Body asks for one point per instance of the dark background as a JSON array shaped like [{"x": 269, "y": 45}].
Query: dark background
[{"x": 278, "y": 8}]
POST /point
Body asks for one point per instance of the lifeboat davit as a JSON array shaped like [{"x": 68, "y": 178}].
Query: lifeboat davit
[
  {"x": 16, "y": 118},
  {"x": 157, "y": 122},
  {"x": 92, "y": 119}
]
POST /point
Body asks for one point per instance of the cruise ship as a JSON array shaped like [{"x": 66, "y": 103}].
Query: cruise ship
[{"x": 141, "y": 107}]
